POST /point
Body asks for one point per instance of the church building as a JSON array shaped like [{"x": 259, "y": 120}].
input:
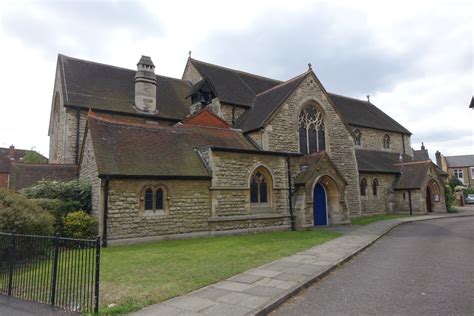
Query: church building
[{"x": 222, "y": 151}]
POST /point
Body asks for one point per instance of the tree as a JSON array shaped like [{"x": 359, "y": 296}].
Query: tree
[{"x": 32, "y": 156}]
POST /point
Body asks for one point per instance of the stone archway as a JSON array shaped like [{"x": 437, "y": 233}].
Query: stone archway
[
  {"x": 325, "y": 190},
  {"x": 433, "y": 195}
]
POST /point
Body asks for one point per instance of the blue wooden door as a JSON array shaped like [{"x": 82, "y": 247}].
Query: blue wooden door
[{"x": 320, "y": 206}]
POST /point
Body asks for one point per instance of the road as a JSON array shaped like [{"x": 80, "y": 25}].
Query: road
[{"x": 423, "y": 268}]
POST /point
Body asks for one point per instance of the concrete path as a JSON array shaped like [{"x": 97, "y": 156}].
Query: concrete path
[
  {"x": 259, "y": 291},
  {"x": 11, "y": 306}
]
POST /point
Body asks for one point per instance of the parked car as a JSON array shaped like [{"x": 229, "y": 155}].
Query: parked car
[{"x": 470, "y": 199}]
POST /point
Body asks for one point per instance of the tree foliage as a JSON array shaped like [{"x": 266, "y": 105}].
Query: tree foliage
[{"x": 33, "y": 156}]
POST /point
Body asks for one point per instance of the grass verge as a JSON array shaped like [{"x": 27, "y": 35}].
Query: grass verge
[
  {"x": 375, "y": 218},
  {"x": 139, "y": 275}
]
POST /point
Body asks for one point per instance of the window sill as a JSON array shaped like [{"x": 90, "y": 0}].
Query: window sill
[{"x": 153, "y": 213}]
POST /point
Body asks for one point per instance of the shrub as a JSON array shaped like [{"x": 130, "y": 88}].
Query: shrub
[
  {"x": 59, "y": 209},
  {"x": 73, "y": 190},
  {"x": 33, "y": 156},
  {"x": 80, "y": 225},
  {"x": 449, "y": 199},
  {"x": 18, "y": 214}
]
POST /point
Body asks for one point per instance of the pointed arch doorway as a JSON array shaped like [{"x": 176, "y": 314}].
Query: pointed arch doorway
[{"x": 320, "y": 206}]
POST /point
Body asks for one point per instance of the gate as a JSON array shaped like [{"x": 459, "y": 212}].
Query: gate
[{"x": 63, "y": 272}]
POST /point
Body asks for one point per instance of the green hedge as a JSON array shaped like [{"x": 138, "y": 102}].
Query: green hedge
[
  {"x": 18, "y": 214},
  {"x": 73, "y": 190},
  {"x": 80, "y": 225}
]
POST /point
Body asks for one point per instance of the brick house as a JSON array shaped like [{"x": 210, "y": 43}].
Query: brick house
[
  {"x": 461, "y": 167},
  {"x": 224, "y": 151},
  {"x": 9, "y": 156}
]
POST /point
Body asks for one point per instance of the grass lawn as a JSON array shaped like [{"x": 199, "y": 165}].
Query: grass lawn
[
  {"x": 138, "y": 275},
  {"x": 375, "y": 218}
]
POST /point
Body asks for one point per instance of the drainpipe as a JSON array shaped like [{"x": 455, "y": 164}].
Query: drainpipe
[
  {"x": 78, "y": 122},
  {"x": 409, "y": 201},
  {"x": 403, "y": 142},
  {"x": 290, "y": 194},
  {"x": 106, "y": 212}
]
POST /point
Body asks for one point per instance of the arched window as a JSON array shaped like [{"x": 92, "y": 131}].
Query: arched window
[
  {"x": 375, "y": 184},
  {"x": 154, "y": 200},
  {"x": 148, "y": 199},
  {"x": 311, "y": 130},
  {"x": 363, "y": 187},
  {"x": 386, "y": 141},
  {"x": 159, "y": 199},
  {"x": 358, "y": 136},
  {"x": 260, "y": 186}
]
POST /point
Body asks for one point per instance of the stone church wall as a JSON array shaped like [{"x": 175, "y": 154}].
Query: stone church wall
[
  {"x": 282, "y": 133},
  {"x": 377, "y": 204},
  {"x": 373, "y": 139},
  {"x": 88, "y": 173},
  {"x": 187, "y": 211},
  {"x": 226, "y": 113},
  {"x": 230, "y": 191}
]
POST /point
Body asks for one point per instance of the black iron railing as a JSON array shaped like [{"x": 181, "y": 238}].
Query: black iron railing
[{"x": 63, "y": 272}]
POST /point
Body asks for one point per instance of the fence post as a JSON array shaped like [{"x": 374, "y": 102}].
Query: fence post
[
  {"x": 97, "y": 273},
  {"x": 55, "y": 269},
  {"x": 12, "y": 263}
]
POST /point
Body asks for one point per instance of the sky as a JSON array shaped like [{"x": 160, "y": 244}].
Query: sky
[{"x": 414, "y": 58}]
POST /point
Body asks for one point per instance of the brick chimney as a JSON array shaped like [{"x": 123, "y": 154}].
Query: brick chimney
[
  {"x": 145, "y": 86},
  {"x": 11, "y": 152}
]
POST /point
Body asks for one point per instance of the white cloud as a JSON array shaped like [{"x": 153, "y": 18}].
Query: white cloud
[{"x": 413, "y": 57}]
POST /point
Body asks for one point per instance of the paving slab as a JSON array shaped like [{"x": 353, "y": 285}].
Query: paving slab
[{"x": 259, "y": 291}]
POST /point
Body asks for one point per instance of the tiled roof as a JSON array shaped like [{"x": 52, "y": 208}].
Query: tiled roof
[
  {"x": 460, "y": 161},
  {"x": 104, "y": 87},
  {"x": 374, "y": 161},
  {"x": 147, "y": 150},
  {"x": 25, "y": 175},
  {"x": 5, "y": 159},
  {"x": 205, "y": 118}
]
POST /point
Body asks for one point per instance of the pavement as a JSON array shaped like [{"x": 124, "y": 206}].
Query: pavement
[
  {"x": 11, "y": 306},
  {"x": 421, "y": 268},
  {"x": 261, "y": 290}
]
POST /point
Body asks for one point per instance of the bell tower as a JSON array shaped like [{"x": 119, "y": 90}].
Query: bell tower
[{"x": 145, "y": 86}]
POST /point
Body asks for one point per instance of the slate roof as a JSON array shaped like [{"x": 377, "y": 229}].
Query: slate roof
[
  {"x": 5, "y": 161},
  {"x": 373, "y": 161},
  {"x": 364, "y": 114},
  {"x": 103, "y": 87},
  {"x": 355, "y": 112},
  {"x": 25, "y": 175},
  {"x": 460, "y": 161},
  {"x": 108, "y": 88},
  {"x": 420, "y": 155},
  {"x": 145, "y": 150},
  {"x": 413, "y": 174}
]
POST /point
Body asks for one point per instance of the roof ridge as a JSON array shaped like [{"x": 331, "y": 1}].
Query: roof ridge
[
  {"x": 235, "y": 70},
  {"x": 352, "y": 98},
  {"x": 112, "y": 66},
  {"x": 413, "y": 162},
  {"x": 283, "y": 83}
]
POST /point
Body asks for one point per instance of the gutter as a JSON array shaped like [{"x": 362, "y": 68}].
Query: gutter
[
  {"x": 409, "y": 201},
  {"x": 106, "y": 212},
  {"x": 78, "y": 122},
  {"x": 122, "y": 176},
  {"x": 290, "y": 194},
  {"x": 257, "y": 152}
]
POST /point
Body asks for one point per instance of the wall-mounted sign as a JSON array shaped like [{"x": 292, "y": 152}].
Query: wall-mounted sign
[{"x": 436, "y": 198}]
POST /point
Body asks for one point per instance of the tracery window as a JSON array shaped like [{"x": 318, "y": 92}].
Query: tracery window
[
  {"x": 311, "y": 130},
  {"x": 260, "y": 186},
  {"x": 386, "y": 141},
  {"x": 375, "y": 185},
  {"x": 363, "y": 187},
  {"x": 154, "y": 200},
  {"x": 358, "y": 136}
]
